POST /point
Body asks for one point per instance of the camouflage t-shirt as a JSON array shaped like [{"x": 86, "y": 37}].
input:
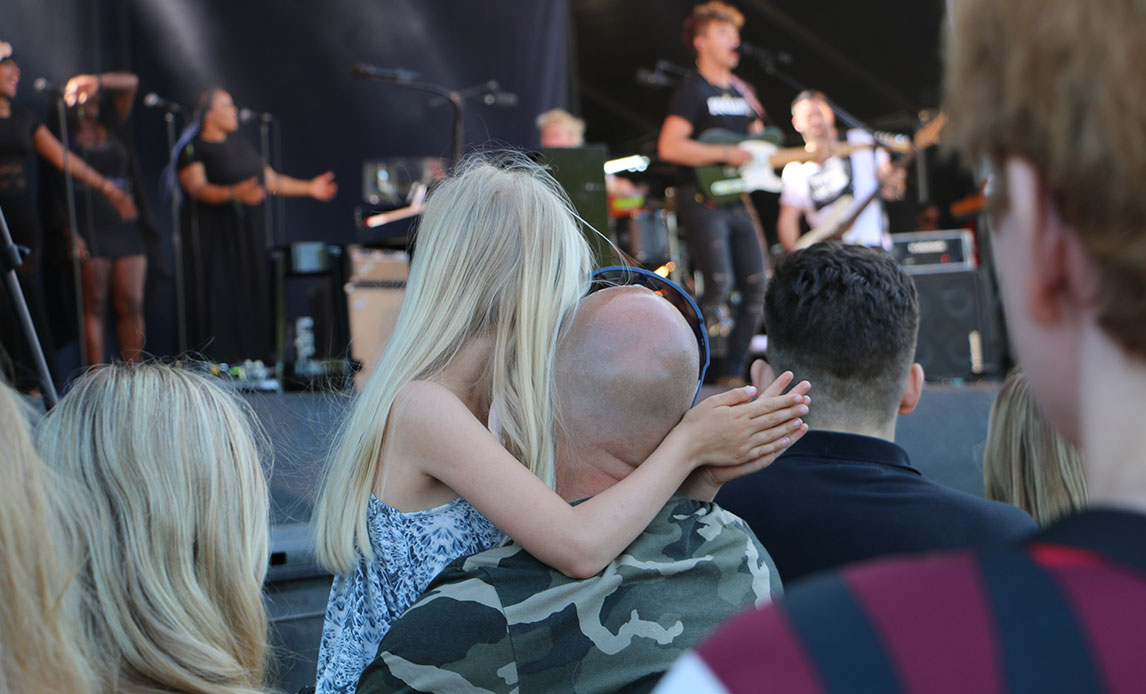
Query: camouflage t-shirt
[{"x": 501, "y": 621}]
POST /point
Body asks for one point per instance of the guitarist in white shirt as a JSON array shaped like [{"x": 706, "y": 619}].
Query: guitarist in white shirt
[
  {"x": 723, "y": 240},
  {"x": 821, "y": 190}
]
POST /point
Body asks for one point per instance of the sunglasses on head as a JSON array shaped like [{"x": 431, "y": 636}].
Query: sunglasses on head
[{"x": 619, "y": 276}]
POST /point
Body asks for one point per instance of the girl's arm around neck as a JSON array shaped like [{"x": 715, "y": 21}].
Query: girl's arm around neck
[{"x": 433, "y": 431}]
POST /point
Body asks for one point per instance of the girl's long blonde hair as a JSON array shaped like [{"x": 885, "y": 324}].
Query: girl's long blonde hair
[
  {"x": 39, "y": 617},
  {"x": 1026, "y": 462},
  {"x": 171, "y": 507},
  {"x": 499, "y": 253}
]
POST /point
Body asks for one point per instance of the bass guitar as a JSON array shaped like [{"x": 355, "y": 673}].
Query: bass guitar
[
  {"x": 723, "y": 183},
  {"x": 844, "y": 212}
]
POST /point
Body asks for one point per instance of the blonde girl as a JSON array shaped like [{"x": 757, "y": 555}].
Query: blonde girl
[
  {"x": 172, "y": 510},
  {"x": 39, "y": 618},
  {"x": 417, "y": 479},
  {"x": 1026, "y": 462}
]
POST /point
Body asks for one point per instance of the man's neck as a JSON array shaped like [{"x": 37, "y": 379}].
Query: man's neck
[
  {"x": 586, "y": 472},
  {"x": 1112, "y": 399},
  {"x": 715, "y": 74},
  {"x": 885, "y": 432}
]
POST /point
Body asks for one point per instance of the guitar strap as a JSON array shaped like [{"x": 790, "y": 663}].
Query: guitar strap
[{"x": 745, "y": 91}]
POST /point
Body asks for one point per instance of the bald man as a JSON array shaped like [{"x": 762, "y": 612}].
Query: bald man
[{"x": 501, "y": 621}]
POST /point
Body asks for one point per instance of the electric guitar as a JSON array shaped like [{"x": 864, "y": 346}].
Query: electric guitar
[
  {"x": 844, "y": 212},
  {"x": 723, "y": 183}
]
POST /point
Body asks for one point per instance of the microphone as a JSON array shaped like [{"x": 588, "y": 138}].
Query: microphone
[
  {"x": 246, "y": 115},
  {"x": 496, "y": 97},
  {"x": 386, "y": 74},
  {"x": 766, "y": 55},
  {"x": 43, "y": 85},
  {"x": 668, "y": 67},
  {"x": 153, "y": 100},
  {"x": 654, "y": 78}
]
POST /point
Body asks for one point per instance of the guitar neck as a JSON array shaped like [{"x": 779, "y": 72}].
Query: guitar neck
[{"x": 861, "y": 205}]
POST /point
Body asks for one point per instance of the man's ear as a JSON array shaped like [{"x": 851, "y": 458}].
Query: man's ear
[
  {"x": 762, "y": 374},
  {"x": 1037, "y": 219},
  {"x": 913, "y": 390}
]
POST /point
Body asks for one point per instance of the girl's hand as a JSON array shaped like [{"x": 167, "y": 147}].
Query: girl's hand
[
  {"x": 784, "y": 410},
  {"x": 734, "y": 428}
]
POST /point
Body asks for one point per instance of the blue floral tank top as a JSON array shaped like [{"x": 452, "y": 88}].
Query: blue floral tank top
[{"x": 410, "y": 549}]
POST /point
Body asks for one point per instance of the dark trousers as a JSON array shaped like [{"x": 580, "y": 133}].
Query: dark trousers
[{"x": 724, "y": 246}]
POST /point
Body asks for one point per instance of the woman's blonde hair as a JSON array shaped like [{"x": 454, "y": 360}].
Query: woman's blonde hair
[
  {"x": 172, "y": 510},
  {"x": 499, "y": 253},
  {"x": 39, "y": 617},
  {"x": 1026, "y": 462}
]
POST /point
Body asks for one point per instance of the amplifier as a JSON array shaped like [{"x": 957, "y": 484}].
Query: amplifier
[
  {"x": 923, "y": 252},
  {"x": 374, "y": 294}
]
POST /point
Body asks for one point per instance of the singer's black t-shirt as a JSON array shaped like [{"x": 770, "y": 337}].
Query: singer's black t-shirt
[
  {"x": 226, "y": 163},
  {"x": 707, "y": 106}
]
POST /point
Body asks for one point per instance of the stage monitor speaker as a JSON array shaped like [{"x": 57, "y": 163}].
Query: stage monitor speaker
[
  {"x": 374, "y": 296},
  {"x": 951, "y": 325},
  {"x": 581, "y": 172}
]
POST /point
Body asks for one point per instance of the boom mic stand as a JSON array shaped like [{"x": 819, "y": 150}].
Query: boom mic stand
[
  {"x": 404, "y": 78},
  {"x": 769, "y": 61},
  {"x": 10, "y": 260}
]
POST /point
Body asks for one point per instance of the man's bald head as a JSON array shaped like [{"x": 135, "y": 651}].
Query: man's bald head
[{"x": 626, "y": 373}]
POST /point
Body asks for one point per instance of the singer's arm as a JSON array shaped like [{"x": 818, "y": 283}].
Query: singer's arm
[
  {"x": 193, "y": 178},
  {"x": 123, "y": 86},
  {"x": 788, "y": 225},
  {"x": 321, "y": 187},
  {"x": 50, "y": 149},
  {"x": 677, "y": 146}
]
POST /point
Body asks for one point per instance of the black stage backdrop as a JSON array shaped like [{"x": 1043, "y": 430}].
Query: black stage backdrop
[{"x": 292, "y": 58}]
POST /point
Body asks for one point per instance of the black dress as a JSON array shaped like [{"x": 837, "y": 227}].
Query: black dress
[
  {"x": 16, "y": 145},
  {"x": 227, "y": 267},
  {"x": 106, "y": 234}
]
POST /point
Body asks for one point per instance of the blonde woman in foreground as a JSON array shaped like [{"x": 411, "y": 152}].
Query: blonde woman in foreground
[
  {"x": 172, "y": 511},
  {"x": 1026, "y": 462},
  {"x": 417, "y": 479},
  {"x": 39, "y": 619}
]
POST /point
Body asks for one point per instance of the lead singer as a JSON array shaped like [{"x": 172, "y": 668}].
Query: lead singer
[
  {"x": 228, "y": 273},
  {"x": 723, "y": 241}
]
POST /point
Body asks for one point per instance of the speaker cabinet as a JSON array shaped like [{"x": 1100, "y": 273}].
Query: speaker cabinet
[
  {"x": 374, "y": 295},
  {"x": 951, "y": 325}
]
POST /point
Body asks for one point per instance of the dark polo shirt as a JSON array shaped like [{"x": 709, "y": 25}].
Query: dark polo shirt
[{"x": 834, "y": 498}]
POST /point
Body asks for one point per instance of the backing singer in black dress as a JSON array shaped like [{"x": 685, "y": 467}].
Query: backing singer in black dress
[{"x": 227, "y": 266}]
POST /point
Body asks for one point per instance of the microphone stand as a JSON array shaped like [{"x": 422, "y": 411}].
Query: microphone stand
[
  {"x": 455, "y": 98},
  {"x": 177, "y": 248},
  {"x": 769, "y": 64},
  {"x": 70, "y": 194},
  {"x": 265, "y": 149},
  {"x": 10, "y": 260}
]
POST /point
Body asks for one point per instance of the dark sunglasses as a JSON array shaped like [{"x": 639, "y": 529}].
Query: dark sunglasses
[{"x": 619, "y": 276}]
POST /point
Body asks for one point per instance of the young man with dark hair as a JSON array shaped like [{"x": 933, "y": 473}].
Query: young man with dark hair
[
  {"x": 723, "y": 241},
  {"x": 845, "y": 318},
  {"x": 1049, "y": 95}
]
